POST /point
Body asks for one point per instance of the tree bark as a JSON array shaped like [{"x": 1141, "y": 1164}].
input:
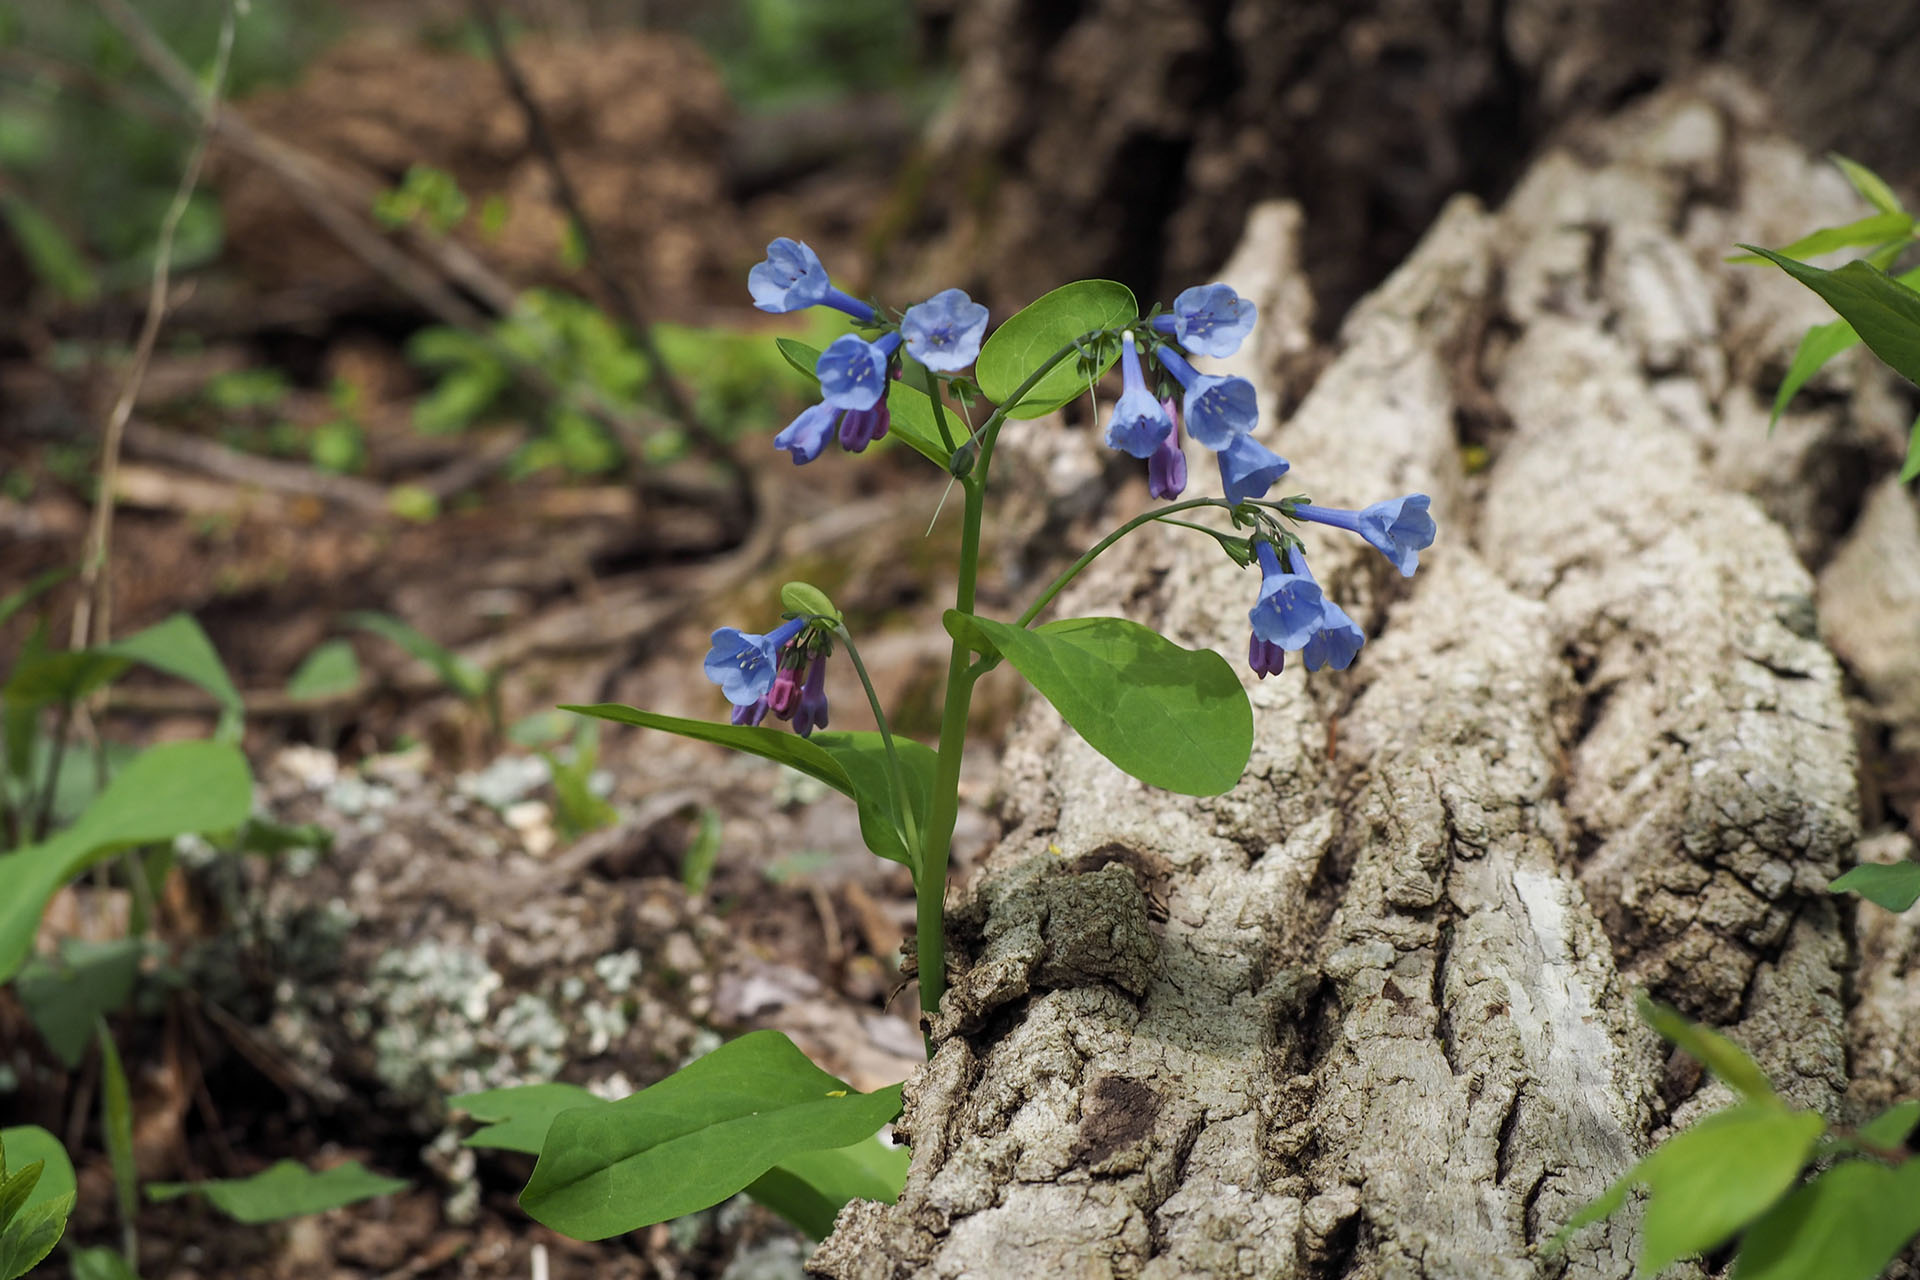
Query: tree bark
[
  {"x": 1370, "y": 1013},
  {"x": 1131, "y": 137}
]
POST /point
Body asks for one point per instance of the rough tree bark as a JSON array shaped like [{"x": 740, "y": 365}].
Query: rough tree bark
[
  {"x": 1131, "y": 137},
  {"x": 1369, "y": 1014}
]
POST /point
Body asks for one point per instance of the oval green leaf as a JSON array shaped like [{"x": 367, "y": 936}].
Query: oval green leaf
[
  {"x": 1847, "y": 1224},
  {"x": 854, "y": 764},
  {"x": 1050, "y": 322},
  {"x": 1882, "y": 310},
  {"x": 1172, "y": 717},
  {"x": 163, "y": 792},
  {"x": 1893, "y": 885},
  {"x": 287, "y": 1190},
  {"x": 28, "y": 1144},
  {"x": 805, "y": 598},
  {"x": 699, "y": 1136},
  {"x": 1714, "y": 1051}
]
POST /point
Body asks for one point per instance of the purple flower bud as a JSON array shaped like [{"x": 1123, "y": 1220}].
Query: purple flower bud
[
  {"x": 944, "y": 332},
  {"x": 1399, "y": 528},
  {"x": 1336, "y": 641},
  {"x": 1209, "y": 320},
  {"x": 853, "y": 371},
  {"x": 1138, "y": 424},
  {"x": 792, "y": 279},
  {"x": 785, "y": 693},
  {"x": 1290, "y": 609},
  {"x": 861, "y": 427},
  {"x": 1167, "y": 468},
  {"x": 1218, "y": 410},
  {"x": 742, "y": 663},
  {"x": 1264, "y": 657},
  {"x": 807, "y": 434},
  {"x": 811, "y": 714},
  {"x": 1248, "y": 469},
  {"x": 751, "y": 714}
]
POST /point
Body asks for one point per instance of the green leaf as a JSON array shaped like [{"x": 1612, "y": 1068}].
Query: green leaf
[
  {"x": 910, "y": 417},
  {"x": 179, "y": 647},
  {"x": 1893, "y": 885},
  {"x": 800, "y": 356},
  {"x": 1911, "y": 467},
  {"x": 54, "y": 258},
  {"x": 116, "y": 1123},
  {"x": 1874, "y": 229},
  {"x": 1172, "y": 717},
  {"x": 1717, "y": 1053},
  {"x": 15, "y": 1187},
  {"x": 809, "y": 1189},
  {"x": 1847, "y": 1224},
  {"x": 14, "y": 601},
  {"x": 1034, "y": 333},
  {"x": 1888, "y": 1130},
  {"x": 101, "y": 1264},
  {"x": 456, "y": 672},
  {"x": 329, "y": 671},
  {"x": 696, "y": 868},
  {"x": 806, "y": 599},
  {"x": 1868, "y": 183},
  {"x": 517, "y": 1118},
  {"x": 64, "y": 999},
  {"x": 854, "y": 764},
  {"x": 287, "y": 1190},
  {"x": 163, "y": 792},
  {"x": 30, "y": 1144},
  {"x": 32, "y": 1235},
  {"x": 60, "y": 676},
  {"x": 1709, "y": 1181},
  {"x": 697, "y": 1137},
  {"x": 1817, "y": 346},
  {"x": 1884, "y": 312}
]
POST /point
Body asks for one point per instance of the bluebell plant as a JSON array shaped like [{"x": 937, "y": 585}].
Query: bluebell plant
[{"x": 915, "y": 378}]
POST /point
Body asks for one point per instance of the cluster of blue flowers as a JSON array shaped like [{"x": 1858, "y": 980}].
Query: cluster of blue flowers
[
  {"x": 943, "y": 333},
  {"x": 761, "y": 674}
]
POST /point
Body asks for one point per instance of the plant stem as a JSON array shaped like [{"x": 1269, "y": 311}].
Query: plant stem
[
  {"x": 931, "y": 890},
  {"x": 901, "y": 801},
  {"x": 989, "y": 431},
  {"x": 1072, "y": 571}
]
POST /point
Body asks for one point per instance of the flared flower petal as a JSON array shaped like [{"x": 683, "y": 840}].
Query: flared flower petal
[
  {"x": 744, "y": 664},
  {"x": 944, "y": 332},
  {"x": 853, "y": 371},
  {"x": 1209, "y": 320},
  {"x": 793, "y": 279},
  {"x": 808, "y": 434},
  {"x": 1335, "y": 642},
  {"x": 1248, "y": 469},
  {"x": 1290, "y": 609},
  {"x": 1399, "y": 528},
  {"x": 1218, "y": 410},
  {"x": 1139, "y": 423}
]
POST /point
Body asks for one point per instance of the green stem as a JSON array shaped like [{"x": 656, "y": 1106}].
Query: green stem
[
  {"x": 937, "y": 392},
  {"x": 931, "y": 889},
  {"x": 901, "y": 802},
  {"x": 989, "y": 431},
  {"x": 1072, "y": 571}
]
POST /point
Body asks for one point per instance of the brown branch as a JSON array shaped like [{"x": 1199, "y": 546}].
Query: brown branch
[
  {"x": 540, "y": 137},
  {"x": 96, "y": 586}
]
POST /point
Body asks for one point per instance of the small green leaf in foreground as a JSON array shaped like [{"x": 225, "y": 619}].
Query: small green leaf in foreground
[
  {"x": 1709, "y": 1181},
  {"x": 1884, "y": 312},
  {"x": 1717, "y": 1053},
  {"x": 1893, "y": 885},
  {"x": 697, "y": 1137},
  {"x": 287, "y": 1190},
  {"x": 30, "y": 1237},
  {"x": 329, "y": 671},
  {"x": 29, "y": 1144},
  {"x": 1847, "y": 1224},
  {"x": 1890, "y": 1128}
]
